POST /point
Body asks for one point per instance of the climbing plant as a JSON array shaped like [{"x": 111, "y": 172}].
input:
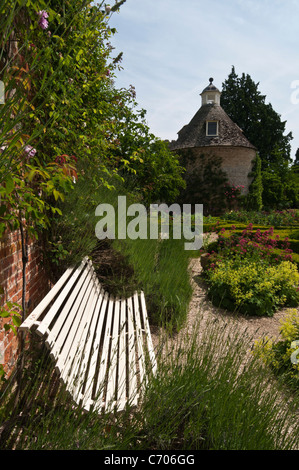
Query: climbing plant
[
  {"x": 64, "y": 119},
  {"x": 254, "y": 200},
  {"x": 206, "y": 183}
]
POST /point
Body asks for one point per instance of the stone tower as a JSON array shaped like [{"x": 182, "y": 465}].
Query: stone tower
[{"x": 211, "y": 132}]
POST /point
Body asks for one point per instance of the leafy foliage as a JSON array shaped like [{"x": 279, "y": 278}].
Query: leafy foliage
[
  {"x": 207, "y": 182},
  {"x": 254, "y": 200},
  {"x": 252, "y": 288},
  {"x": 278, "y": 355},
  {"x": 247, "y": 107},
  {"x": 246, "y": 273}
]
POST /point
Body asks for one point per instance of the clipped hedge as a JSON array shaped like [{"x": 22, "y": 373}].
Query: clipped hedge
[{"x": 291, "y": 233}]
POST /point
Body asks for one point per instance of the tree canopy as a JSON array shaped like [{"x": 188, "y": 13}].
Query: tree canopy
[
  {"x": 261, "y": 124},
  {"x": 263, "y": 127}
]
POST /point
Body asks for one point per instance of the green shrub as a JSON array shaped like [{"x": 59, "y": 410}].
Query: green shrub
[
  {"x": 205, "y": 183},
  {"x": 253, "y": 288},
  {"x": 279, "y": 355}
]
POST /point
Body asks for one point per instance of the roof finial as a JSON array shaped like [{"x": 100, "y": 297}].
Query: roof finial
[{"x": 211, "y": 80}]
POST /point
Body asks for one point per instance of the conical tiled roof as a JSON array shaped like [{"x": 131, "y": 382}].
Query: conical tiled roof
[{"x": 194, "y": 134}]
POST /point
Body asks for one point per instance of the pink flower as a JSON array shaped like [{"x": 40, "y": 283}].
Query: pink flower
[
  {"x": 42, "y": 22},
  {"x": 30, "y": 151},
  {"x": 43, "y": 14}
]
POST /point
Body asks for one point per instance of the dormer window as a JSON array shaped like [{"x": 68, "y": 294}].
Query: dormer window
[{"x": 212, "y": 128}]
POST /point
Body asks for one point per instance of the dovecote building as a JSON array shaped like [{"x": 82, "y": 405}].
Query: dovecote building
[{"x": 211, "y": 132}]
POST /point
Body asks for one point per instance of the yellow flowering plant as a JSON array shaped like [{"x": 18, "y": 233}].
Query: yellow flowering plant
[
  {"x": 253, "y": 287},
  {"x": 283, "y": 356}
]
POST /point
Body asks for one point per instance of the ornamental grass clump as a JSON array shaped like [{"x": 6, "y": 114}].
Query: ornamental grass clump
[{"x": 207, "y": 395}]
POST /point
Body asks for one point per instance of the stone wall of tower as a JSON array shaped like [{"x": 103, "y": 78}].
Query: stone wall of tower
[{"x": 237, "y": 163}]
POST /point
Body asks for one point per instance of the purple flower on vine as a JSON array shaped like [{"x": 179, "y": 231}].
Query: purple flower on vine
[
  {"x": 30, "y": 151},
  {"x": 43, "y": 22}
]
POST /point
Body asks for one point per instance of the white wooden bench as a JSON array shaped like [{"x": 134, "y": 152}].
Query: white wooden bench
[{"x": 101, "y": 345}]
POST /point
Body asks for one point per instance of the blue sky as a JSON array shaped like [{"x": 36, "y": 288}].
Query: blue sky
[{"x": 171, "y": 48}]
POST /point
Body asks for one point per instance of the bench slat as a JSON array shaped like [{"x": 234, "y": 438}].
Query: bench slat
[
  {"x": 139, "y": 342},
  {"x": 77, "y": 375},
  {"x": 87, "y": 397},
  {"x": 74, "y": 355},
  {"x": 69, "y": 346},
  {"x": 76, "y": 379},
  {"x": 45, "y": 323},
  {"x": 148, "y": 336},
  {"x": 67, "y": 316},
  {"x": 132, "y": 370},
  {"x": 40, "y": 308},
  {"x": 111, "y": 382},
  {"x": 99, "y": 391},
  {"x": 122, "y": 361},
  {"x": 62, "y": 324}
]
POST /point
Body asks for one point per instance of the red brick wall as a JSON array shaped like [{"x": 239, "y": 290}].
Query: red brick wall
[{"x": 11, "y": 282}]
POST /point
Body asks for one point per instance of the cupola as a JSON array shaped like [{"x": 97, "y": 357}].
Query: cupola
[{"x": 210, "y": 95}]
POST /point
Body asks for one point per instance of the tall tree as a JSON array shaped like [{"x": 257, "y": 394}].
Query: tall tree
[{"x": 247, "y": 107}]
